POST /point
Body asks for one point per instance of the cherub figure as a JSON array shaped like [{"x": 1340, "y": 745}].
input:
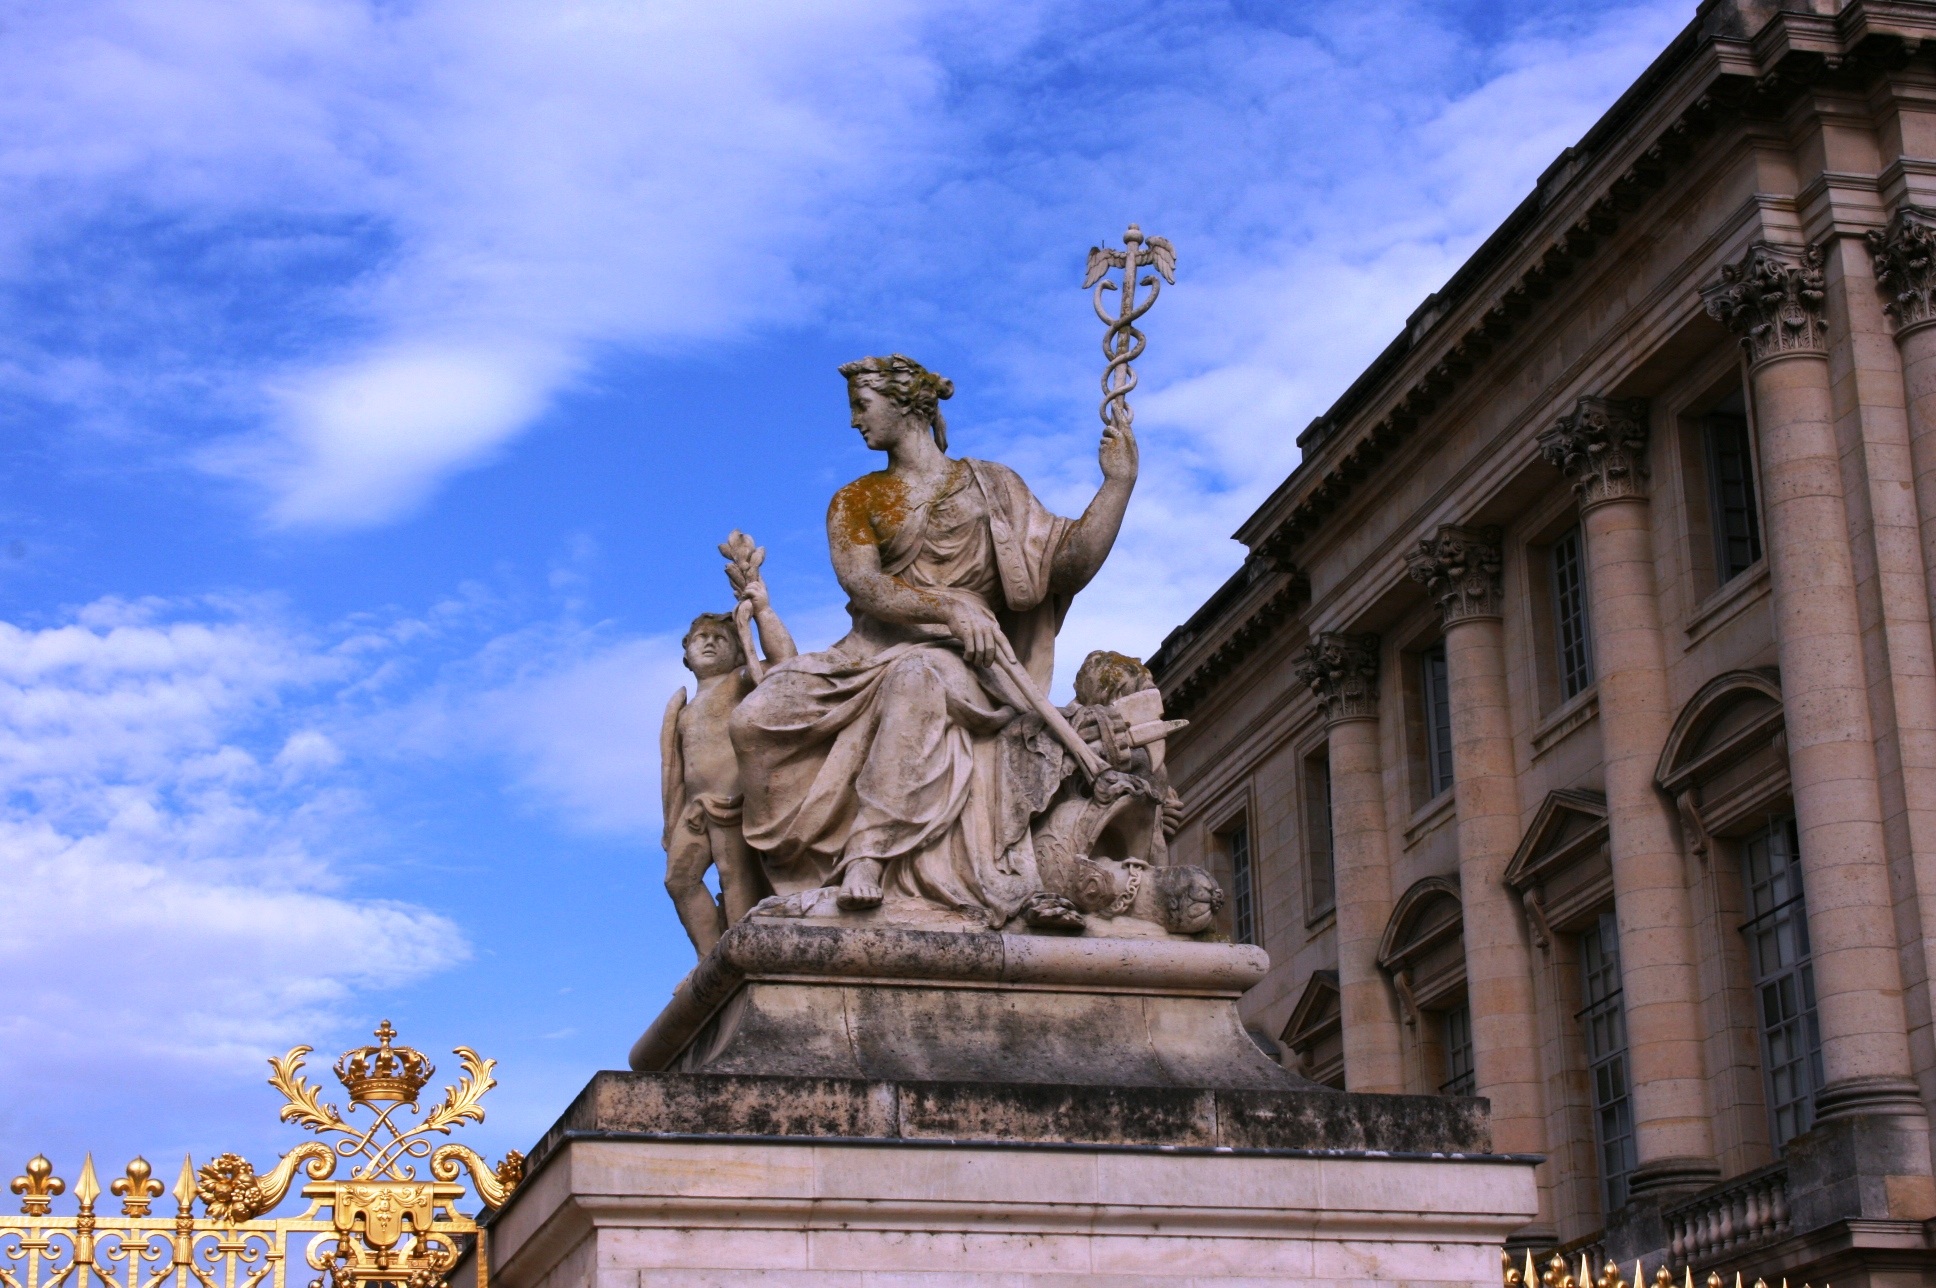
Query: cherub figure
[{"x": 699, "y": 774}]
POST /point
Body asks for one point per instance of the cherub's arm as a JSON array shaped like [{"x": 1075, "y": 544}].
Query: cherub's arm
[
  {"x": 672, "y": 765},
  {"x": 775, "y": 640}
]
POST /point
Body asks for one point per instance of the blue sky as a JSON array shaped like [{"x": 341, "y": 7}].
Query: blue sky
[{"x": 377, "y": 378}]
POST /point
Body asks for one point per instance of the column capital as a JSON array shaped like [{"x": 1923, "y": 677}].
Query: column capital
[
  {"x": 1602, "y": 446},
  {"x": 1905, "y": 267},
  {"x": 1459, "y": 568},
  {"x": 1342, "y": 669},
  {"x": 1773, "y": 300}
]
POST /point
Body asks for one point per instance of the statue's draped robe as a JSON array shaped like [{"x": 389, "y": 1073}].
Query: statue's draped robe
[{"x": 889, "y": 746}]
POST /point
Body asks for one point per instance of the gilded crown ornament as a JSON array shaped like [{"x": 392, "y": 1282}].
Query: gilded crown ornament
[
  {"x": 381, "y": 1226},
  {"x": 383, "y": 1074}
]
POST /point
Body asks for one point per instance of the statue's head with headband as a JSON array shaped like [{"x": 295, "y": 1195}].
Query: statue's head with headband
[{"x": 907, "y": 384}]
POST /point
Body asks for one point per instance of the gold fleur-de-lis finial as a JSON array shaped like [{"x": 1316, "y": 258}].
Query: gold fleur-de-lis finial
[
  {"x": 137, "y": 1189},
  {"x": 1663, "y": 1277},
  {"x": 38, "y": 1187},
  {"x": 1610, "y": 1276}
]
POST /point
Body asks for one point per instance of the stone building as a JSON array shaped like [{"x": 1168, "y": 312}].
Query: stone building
[{"x": 1568, "y": 736}]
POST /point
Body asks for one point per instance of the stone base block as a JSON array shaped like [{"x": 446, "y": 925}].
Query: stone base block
[{"x": 682, "y": 1213}]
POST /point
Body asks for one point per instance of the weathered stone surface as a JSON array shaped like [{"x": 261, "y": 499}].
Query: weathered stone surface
[
  {"x": 805, "y": 1000},
  {"x": 648, "y": 1105}
]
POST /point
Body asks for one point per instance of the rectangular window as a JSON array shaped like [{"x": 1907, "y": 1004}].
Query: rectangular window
[
  {"x": 1604, "y": 1020},
  {"x": 1778, "y": 951},
  {"x": 1461, "y": 1080},
  {"x": 1570, "y": 625},
  {"x": 1438, "y": 720},
  {"x": 1731, "y": 496},
  {"x": 1243, "y": 901},
  {"x": 1317, "y": 801}
]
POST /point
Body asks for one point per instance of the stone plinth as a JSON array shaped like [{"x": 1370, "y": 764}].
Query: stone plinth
[
  {"x": 820, "y": 1106},
  {"x": 818, "y": 1000}
]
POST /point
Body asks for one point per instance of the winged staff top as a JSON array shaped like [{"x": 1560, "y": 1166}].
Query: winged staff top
[{"x": 1122, "y": 343}]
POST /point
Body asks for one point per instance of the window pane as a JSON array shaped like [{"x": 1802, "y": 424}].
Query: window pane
[
  {"x": 1438, "y": 721},
  {"x": 1317, "y": 797},
  {"x": 1731, "y": 496},
  {"x": 1791, "y": 1042},
  {"x": 1243, "y": 910},
  {"x": 1461, "y": 1080},
  {"x": 1605, "y": 1026},
  {"x": 1570, "y": 615}
]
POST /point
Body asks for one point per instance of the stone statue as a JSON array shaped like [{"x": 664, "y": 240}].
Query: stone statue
[
  {"x": 895, "y": 761},
  {"x": 916, "y": 773},
  {"x": 699, "y": 775}
]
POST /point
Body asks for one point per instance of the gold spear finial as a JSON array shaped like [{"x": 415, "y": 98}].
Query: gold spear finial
[
  {"x": 184, "y": 1191},
  {"x": 87, "y": 1189}
]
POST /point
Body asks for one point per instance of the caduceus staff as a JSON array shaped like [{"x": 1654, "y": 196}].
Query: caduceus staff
[{"x": 1122, "y": 343}]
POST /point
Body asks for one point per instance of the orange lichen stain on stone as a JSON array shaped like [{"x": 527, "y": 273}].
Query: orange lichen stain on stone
[{"x": 870, "y": 507}]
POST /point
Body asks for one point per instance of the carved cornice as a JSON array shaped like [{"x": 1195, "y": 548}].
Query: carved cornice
[
  {"x": 1183, "y": 690},
  {"x": 1459, "y": 568},
  {"x": 1773, "y": 300},
  {"x": 1342, "y": 670},
  {"x": 1905, "y": 267},
  {"x": 1602, "y": 447}
]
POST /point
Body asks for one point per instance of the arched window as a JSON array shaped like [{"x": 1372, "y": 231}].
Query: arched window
[{"x": 1423, "y": 952}]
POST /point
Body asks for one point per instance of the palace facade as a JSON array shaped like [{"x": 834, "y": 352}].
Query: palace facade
[{"x": 1568, "y": 736}]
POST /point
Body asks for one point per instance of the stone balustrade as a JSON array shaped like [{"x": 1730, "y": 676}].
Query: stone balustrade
[{"x": 1745, "y": 1213}]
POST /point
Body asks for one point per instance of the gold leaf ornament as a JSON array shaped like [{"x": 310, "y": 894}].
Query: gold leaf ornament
[
  {"x": 460, "y": 1103},
  {"x": 305, "y": 1108}
]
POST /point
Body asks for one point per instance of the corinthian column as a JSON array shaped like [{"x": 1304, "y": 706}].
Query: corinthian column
[
  {"x": 1602, "y": 447},
  {"x": 1773, "y": 300},
  {"x": 1905, "y": 268},
  {"x": 1459, "y": 567},
  {"x": 1343, "y": 671}
]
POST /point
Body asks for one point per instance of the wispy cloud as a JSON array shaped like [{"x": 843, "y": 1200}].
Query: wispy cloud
[
  {"x": 173, "y": 824},
  {"x": 463, "y": 201}
]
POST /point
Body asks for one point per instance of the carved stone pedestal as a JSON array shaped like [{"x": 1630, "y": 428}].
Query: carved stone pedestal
[{"x": 822, "y": 1105}]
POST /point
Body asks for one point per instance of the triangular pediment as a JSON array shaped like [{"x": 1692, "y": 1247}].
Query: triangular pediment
[
  {"x": 1571, "y": 823},
  {"x": 1317, "y": 1012}
]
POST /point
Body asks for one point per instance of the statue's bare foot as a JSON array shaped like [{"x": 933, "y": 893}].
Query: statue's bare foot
[
  {"x": 861, "y": 887},
  {"x": 1046, "y": 911}
]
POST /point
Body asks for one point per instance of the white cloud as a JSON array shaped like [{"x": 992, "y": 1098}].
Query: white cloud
[
  {"x": 582, "y": 733},
  {"x": 170, "y": 878},
  {"x": 467, "y": 196}
]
